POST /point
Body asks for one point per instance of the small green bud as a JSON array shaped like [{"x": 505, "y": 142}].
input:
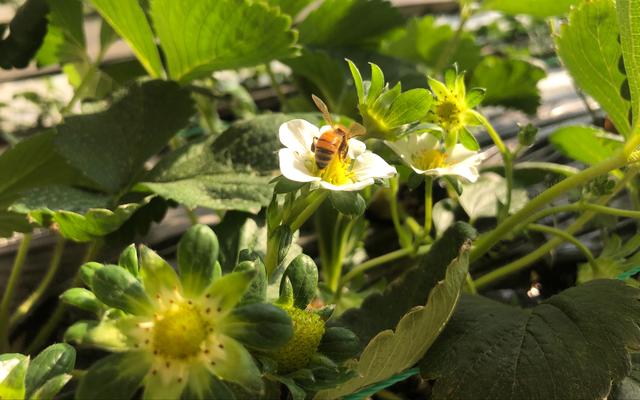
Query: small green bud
[
  {"x": 308, "y": 329},
  {"x": 527, "y": 135}
]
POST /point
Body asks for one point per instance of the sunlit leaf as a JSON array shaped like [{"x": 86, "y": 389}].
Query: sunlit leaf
[
  {"x": 202, "y": 36},
  {"x": 65, "y": 41},
  {"x": 629, "y": 23},
  {"x": 585, "y": 143},
  {"x": 588, "y": 47},
  {"x": 129, "y": 20}
]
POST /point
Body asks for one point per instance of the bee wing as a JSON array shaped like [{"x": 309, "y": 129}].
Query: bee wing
[
  {"x": 323, "y": 109},
  {"x": 357, "y": 130}
]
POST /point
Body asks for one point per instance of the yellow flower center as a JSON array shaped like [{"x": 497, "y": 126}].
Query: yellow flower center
[
  {"x": 338, "y": 172},
  {"x": 429, "y": 159},
  {"x": 179, "y": 331},
  {"x": 448, "y": 112}
]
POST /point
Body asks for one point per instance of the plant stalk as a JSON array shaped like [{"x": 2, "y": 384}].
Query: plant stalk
[
  {"x": 14, "y": 277},
  {"x": 428, "y": 205},
  {"x": 567, "y": 238},
  {"x": 383, "y": 259}
]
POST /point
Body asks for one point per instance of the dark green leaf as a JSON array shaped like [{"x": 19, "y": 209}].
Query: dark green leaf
[
  {"x": 117, "y": 376},
  {"x": 572, "y": 345},
  {"x": 537, "y": 8},
  {"x": 197, "y": 256},
  {"x": 55, "y": 360},
  {"x": 193, "y": 176},
  {"x": 116, "y": 287},
  {"x": 302, "y": 272},
  {"x": 111, "y": 147},
  {"x": 348, "y": 203},
  {"x": 32, "y": 163},
  {"x": 509, "y": 82},
  {"x": 400, "y": 346},
  {"x": 340, "y": 23},
  {"x": 252, "y": 144},
  {"x": 129, "y": 20},
  {"x": 585, "y": 143},
  {"x": 260, "y": 326},
  {"x": 589, "y": 48},
  {"x": 51, "y": 387},
  {"x": 202, "y": 36},
  {"x": 26, "y": 33}
]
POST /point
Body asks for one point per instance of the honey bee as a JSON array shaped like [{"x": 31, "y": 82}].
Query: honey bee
[{"x": 334, "y": 141}]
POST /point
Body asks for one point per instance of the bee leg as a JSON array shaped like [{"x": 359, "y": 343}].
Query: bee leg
[
  {"x": 313, "y": 145},
  {"x": 343, "y": 150}
]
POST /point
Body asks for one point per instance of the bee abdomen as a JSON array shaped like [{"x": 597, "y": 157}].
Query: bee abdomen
[{"x": 323, "y": 157}]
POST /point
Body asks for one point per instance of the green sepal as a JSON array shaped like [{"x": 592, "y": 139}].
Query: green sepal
[
  {"x": 117, "y": 376},
  {"x": 455, "y": 183},
  {"x": 348, "y": 203},
  {"x": 129, "y": 259},
  {"x": 82, "y": 299},
  {"x": 450, "y": 140},
  {"x": 284, "y": 185},
  {"x": 303, "y": 275},
  {"x": 475, "y": 96},
  {"x": 217, "y": 271},
  {"x": 286, "y": 293},
  {"x": 415, "y": 180},
  {"x": 339, "y": 344},
  {"x": 468, "y": 140},
  {"x": 239, "y": 366},
  {"x": 260, "y": 326},
  {"x": 50, "y": 388},
  {"x": 257, "y": 291},
  {"x": 104, "y": 334},
  {"x": 87, "y": 271},
  {"x": 13, "y": 372},
  {"x": 57, "y": 359},
  {"x": 376, "y": 85},
  {"x": 116, "y": 287},
  {"x": 197, "y": 255},
  {"x": 357, "y": 80},
  {"x": 156, "y": 274},
  {"x": 325, "y": 312}
]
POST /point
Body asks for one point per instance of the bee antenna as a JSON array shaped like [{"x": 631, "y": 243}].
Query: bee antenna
[{"x": 323, "y": 109}]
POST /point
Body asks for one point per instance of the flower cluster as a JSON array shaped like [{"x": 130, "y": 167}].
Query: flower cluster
[{"x": 176, "y": 335}]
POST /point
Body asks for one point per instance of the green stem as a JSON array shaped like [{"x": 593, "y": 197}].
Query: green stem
[
  {"x": 428, "y": 204},
  {"x": 80, "y": 90},
  {"x": 16, "y": 271},
  {"x": 54, "y": 320},
  {"x": 507, "y": 160},
  {"x": 25, "y": 308},
  {"x": 403, "y": 239},
  {"x": 567, "y": 238},
  {"x": 485, "y": 243},
  {"x": 338, "y": 259},
  {"x": 276, "y": 86},
  {"x": 383, "y": 259},
  {"x": 309, "y": 210},
  {"x": 471, "y": 285},
  {"x": 453, "y": 44},
  {"x": 521, "y": 263}
]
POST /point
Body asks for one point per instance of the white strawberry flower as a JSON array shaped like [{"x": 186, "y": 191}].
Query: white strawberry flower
[
  {"x": 425, "y": 154},
  {"x": 297, "y": 162}
]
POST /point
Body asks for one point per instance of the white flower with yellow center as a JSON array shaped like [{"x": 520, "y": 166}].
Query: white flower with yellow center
[
  {"x": 425, "y": 155},
  {"x": 359, "y": 169},
  {"x": 177, "y": 335}
]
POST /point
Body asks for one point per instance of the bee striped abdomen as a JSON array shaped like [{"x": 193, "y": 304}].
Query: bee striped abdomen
[{"x": 325, "y": 148}]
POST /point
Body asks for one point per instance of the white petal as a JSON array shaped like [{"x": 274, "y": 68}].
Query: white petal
[
  {"x": 460, "y": 153},
  {"x": 402, "y": 149},
  {"x": 349, "y": 187},
  {"x": 469, "y": 172},
  {"x": 292, "y": 166},
  {"x": 370, "y": 165},
  {"x": 298, "y": 135},
  {"x": 424, "y": 141},
  {"x": 356, "y": 148}
]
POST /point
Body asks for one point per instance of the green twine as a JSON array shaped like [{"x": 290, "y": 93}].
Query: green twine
[
  {"x": 373, "y": 389},
  {"x": 628, "y": 274}
]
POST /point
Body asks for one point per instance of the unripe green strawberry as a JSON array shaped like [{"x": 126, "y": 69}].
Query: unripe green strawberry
[{"x": 308, "y": 329}]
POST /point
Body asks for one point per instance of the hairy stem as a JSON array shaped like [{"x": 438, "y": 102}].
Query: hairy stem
[
  {"x": 428, "y": 204},
  {"x": 567, "y": 238},
  {"x": 16, "y": 271}
]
